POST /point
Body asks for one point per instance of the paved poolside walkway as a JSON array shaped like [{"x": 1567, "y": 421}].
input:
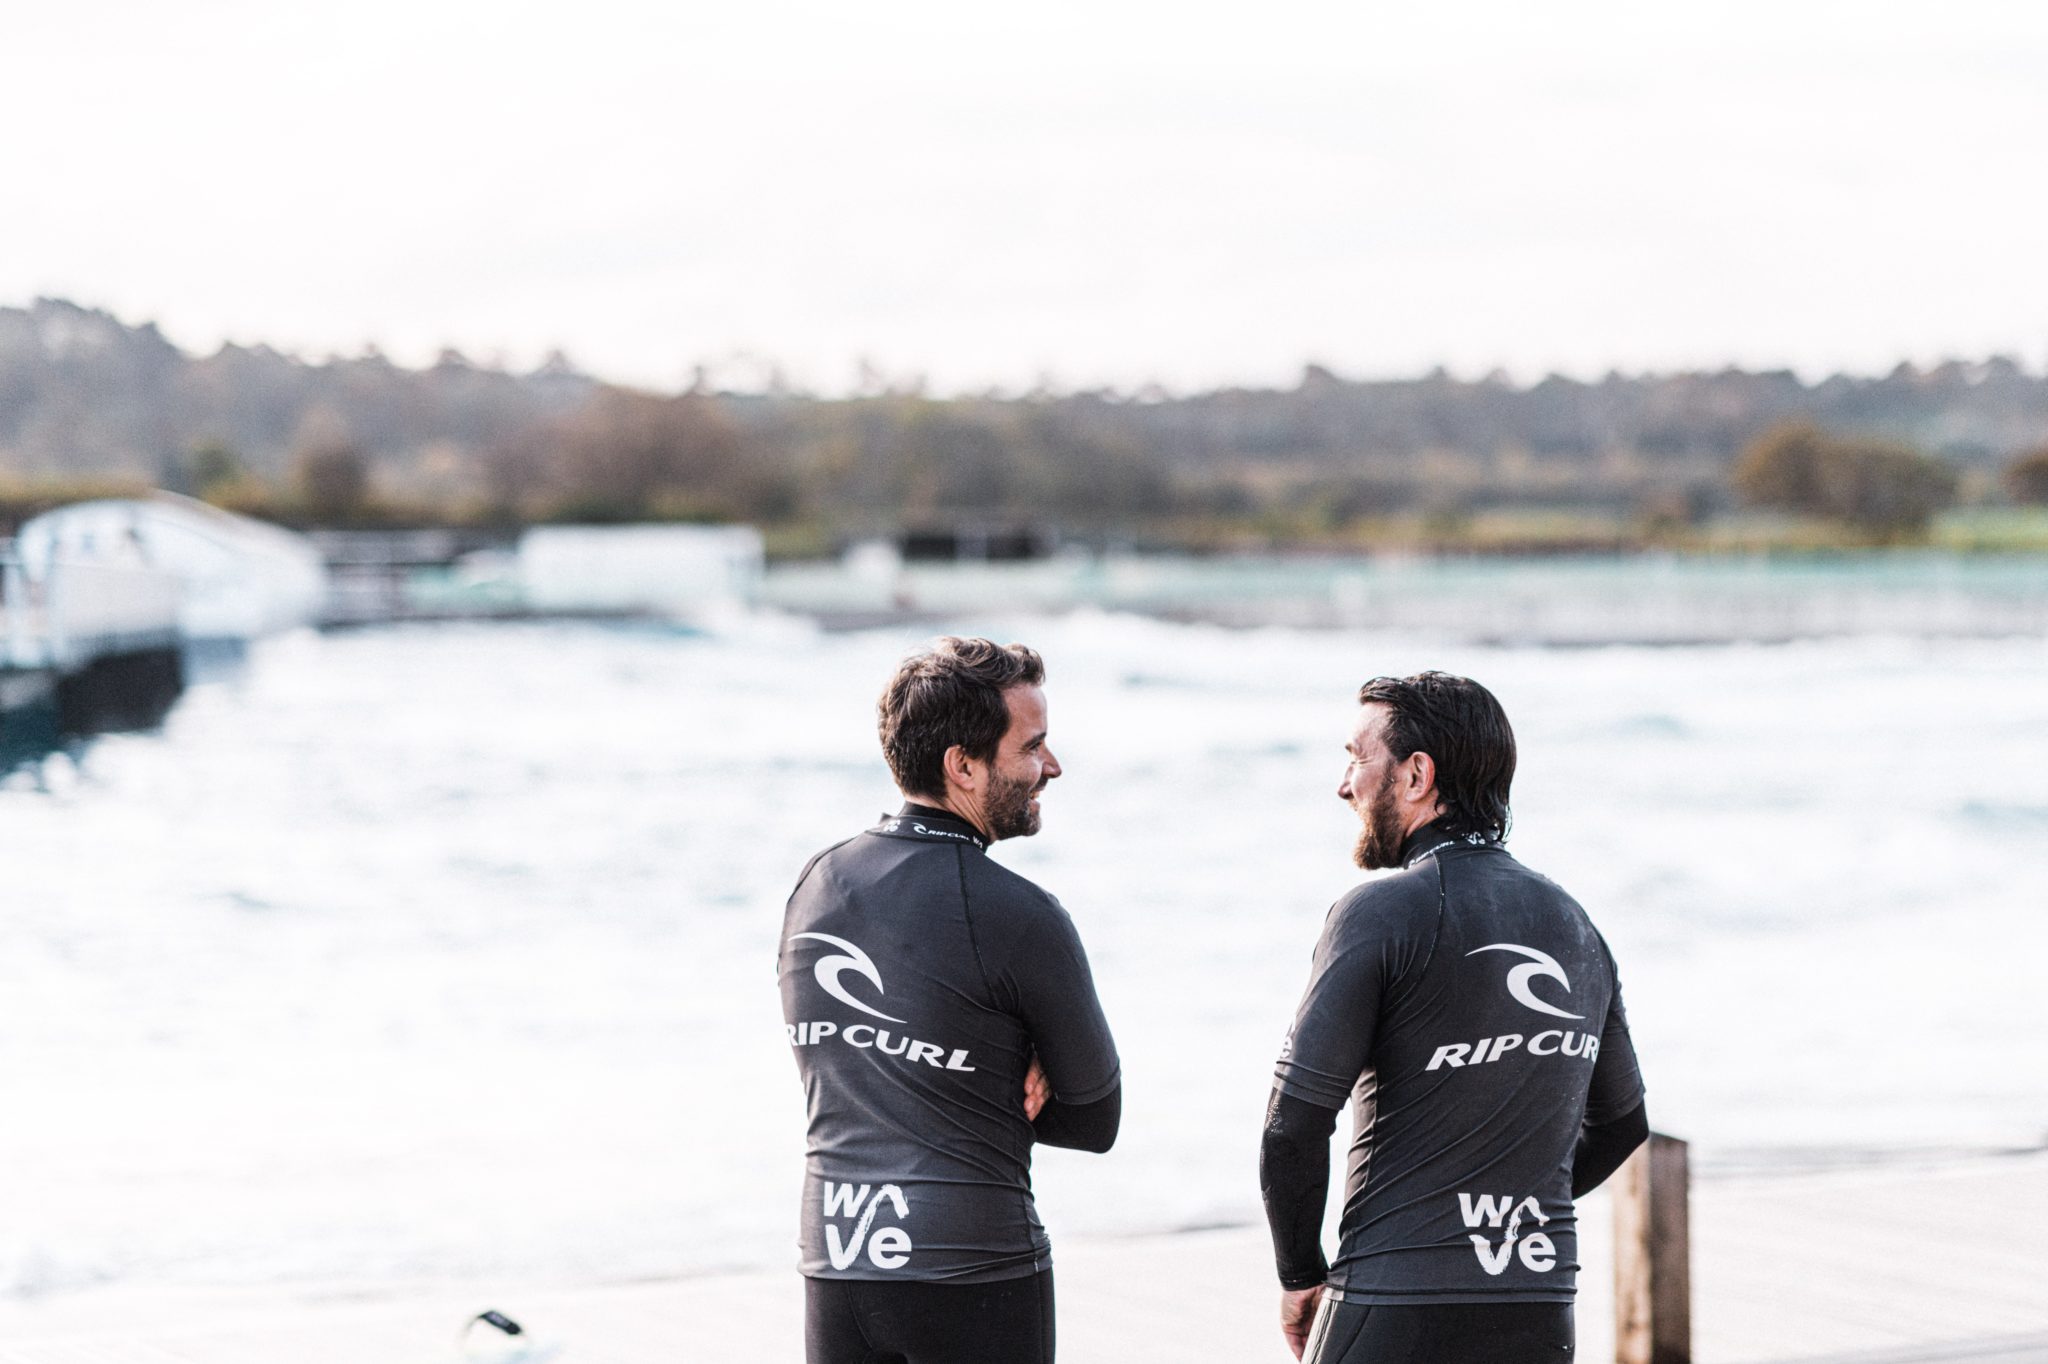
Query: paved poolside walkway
[{"x": 1898, "y": 1265}]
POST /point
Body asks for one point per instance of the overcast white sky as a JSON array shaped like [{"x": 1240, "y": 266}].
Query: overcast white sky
[{"x": 997, "y": 193}]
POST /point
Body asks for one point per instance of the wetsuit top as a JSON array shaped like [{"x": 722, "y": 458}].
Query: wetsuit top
[
  {"x": 1470, "y": 1012},
  {"x": 918, "y": 977}
]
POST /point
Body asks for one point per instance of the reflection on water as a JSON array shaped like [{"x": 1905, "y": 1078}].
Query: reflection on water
[{"x": 42, "y": 711}]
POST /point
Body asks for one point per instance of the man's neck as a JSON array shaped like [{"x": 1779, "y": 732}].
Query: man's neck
[
  {"x": 1419, "y": 834},
  {"x": 1430, "y": 835},
  {"x": 944, "y": 807}
]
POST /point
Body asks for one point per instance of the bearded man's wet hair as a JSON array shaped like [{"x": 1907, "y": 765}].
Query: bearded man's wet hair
[
  {"x": 1463, "y": 729},
  {"x": 951, "y": 693}
]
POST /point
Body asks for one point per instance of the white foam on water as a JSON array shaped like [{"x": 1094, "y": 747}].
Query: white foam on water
[{"x": 440, "y": 953}]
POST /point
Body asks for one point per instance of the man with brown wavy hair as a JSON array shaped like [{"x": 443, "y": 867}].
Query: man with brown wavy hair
[{"x": 943, "y": 1019}]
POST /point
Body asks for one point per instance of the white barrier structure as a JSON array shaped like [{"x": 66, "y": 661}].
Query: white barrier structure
[
  {"x": 682, "y": 572},
  {"x": 66, "y": 613},
  {"x": 234, "y": 578}
]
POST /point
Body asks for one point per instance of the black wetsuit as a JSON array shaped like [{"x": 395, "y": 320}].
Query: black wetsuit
[
  {"x": 918, "y": 980},
  {"x": 1471, "y": 1014}
]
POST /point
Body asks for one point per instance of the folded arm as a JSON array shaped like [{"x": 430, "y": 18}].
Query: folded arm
[
  {"x": 1081, "y": 1127},
  {"x": 1604, "y": 1146},
  {"x": 1615, "y": 1121},
  {"x": 1073, "y": 1090}
]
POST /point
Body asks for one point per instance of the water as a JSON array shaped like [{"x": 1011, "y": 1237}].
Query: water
[
  {"x": 1563, "y": 601},
  {"x": 445, "y": 953}
]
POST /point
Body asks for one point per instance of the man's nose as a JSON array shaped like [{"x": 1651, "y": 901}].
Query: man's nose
[
  {"x": 1344, "y": 788},
  {"x": 1052, "y": 766}
]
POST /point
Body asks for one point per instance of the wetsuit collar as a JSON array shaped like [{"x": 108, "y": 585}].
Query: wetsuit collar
[
  {"x": 928, "y": 821},
  {"x": 1432, "y": 838}
]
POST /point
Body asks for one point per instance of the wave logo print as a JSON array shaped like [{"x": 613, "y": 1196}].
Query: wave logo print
[
  {"x": 889, "y": 1248},
  {"x": 1538, "y": 1251},
  {"x": 1539, "y": 964},
  {"x": 828, "y": 970}
]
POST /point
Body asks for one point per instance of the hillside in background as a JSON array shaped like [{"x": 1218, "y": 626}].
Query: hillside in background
[{"x": 84, "y": 396}]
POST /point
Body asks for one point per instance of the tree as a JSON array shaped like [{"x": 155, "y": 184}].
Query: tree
[
  {"x": 626, "y": 455},
  {"x": 2026, "y": 478},
  {"x": 212, "y": 468},
  {"x": 1880, "y": 487},
  {"x": 1781, "y": 469},
  {"x": 952, "y": 458},
  {"x": 333, "y": 483},
  {"x": 1885, "y": 488}
]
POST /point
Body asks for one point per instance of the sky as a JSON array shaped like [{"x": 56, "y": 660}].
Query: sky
[{"x": 1006, "y": 196}]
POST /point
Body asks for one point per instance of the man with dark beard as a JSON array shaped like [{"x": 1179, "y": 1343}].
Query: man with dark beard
[
  {"x": 943, "y": 1019},
  {"x": 1471, "y": 1014}
]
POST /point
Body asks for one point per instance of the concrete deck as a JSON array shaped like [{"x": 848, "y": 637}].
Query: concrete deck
[{"x": 1900, "y": 1265}]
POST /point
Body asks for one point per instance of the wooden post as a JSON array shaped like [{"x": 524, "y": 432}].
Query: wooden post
[{"x": 1653, "y": 1256}]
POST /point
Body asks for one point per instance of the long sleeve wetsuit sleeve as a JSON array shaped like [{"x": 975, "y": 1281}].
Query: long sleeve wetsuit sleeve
[
  {"x": 1604, "y": 1146},
  {"x": 1331, "y": 1042},
  {"x": 1081, "y": 1127},
  {"x": 1294, "y": 1178},
  {"x": 1617, "y": 1084},
  {"x": 1044, "y": 973}
]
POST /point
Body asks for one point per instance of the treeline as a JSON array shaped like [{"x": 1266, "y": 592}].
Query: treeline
[{"x": 86, "y": 400}]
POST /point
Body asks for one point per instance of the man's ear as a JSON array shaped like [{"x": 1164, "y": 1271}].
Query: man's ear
[
  {"x": 1421, "y": 774},
  {"x": 959, "y": 768}
]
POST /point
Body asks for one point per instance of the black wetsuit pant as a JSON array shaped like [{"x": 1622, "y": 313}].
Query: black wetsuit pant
[
  {"x": 858, "y": 1321},
  {"x": 1469, "y": 1333}
]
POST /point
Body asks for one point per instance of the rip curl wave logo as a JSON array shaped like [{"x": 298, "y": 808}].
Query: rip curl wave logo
[
  {"x": 888, "y": 1248},
  {"x": 828, "y": 971},
  {"x": 1539, "y": 964},
  {"x": 895, "y": 826},
  {"x": 1538, "y": 1251}
]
